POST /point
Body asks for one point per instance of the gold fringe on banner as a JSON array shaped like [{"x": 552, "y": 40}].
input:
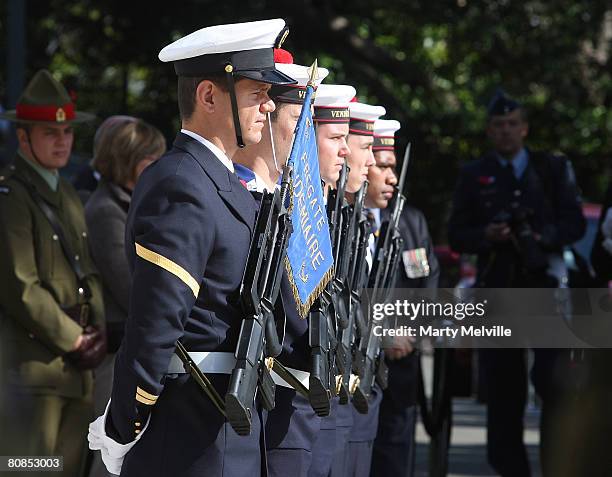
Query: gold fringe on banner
[
  {"x": 290, "y": 192},
  {"x": 304, "y": 308}
]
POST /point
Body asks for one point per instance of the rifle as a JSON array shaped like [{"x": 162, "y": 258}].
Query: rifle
[
  {"x": 382, "y": 279},
  {"x": 325, "y": 314},
  {"x": 340, "y": 242},
  {"x": 359, "y": 281},
  {"x": 344, "y": 355},
  {"x": 259, "y": 290}
]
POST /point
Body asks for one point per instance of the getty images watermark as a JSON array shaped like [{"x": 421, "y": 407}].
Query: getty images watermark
[
  {"x": 402, "y": 310},
  {"x": 500, "y": 318}
]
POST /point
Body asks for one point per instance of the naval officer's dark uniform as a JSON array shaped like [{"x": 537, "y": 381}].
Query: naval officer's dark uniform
[{"x": 187, "y": 239}]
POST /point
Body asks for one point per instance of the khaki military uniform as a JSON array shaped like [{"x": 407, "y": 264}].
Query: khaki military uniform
[{"x": 47, "y": 401}]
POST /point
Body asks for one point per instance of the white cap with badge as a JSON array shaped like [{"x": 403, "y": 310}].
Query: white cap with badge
[
  {"x": 247, "y": 47},
  {"x": 234, "y": 50},
  {"x": 301, "y": 73}
]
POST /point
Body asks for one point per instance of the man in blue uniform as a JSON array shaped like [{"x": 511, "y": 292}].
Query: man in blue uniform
[
  {"x": 360, "y": 428},
  {"x": 187, "y": 240},
  {"x": 291, "y": 427},
  {"x": 394, "y": 450},
  {"x": 515, "y": 208},
  {"x": 331, "y": 115}
]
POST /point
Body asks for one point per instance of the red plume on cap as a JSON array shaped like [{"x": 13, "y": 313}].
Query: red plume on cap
[{"x": 282, "y": 56}]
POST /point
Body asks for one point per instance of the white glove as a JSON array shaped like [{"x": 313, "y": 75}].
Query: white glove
[{"x": 112, "y": 452}]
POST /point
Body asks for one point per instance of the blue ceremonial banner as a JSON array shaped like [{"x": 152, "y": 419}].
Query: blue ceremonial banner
[{"x": 309, "y": 261}]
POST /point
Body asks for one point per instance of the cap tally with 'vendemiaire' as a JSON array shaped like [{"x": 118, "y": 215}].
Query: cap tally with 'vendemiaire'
[
  {"x": 363, "y": 117},
  {"x": 332, "y": 104},
  {"x": 384, "y": 134}
]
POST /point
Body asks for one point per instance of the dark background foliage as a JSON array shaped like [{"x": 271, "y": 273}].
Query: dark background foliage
[{"x": 432, "y": 64}]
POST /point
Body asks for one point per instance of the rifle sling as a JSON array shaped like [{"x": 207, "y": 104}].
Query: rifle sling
[
  {"x": 285, "y": 374},
  {"x": 201, "y": 378}
]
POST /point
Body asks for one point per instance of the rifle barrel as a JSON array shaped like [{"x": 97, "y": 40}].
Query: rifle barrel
[{"x": 402, "y": 178}]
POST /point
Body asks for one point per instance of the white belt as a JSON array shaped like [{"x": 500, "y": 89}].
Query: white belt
[
  {"x": 215, "y": 362},
  {"x": 218, "y": 362}
]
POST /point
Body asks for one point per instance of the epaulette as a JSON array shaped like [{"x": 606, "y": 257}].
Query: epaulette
[{"x": 5, "y": 173}]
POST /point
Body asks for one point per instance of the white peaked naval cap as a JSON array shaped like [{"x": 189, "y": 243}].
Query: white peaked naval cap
[
  {"x": 301, "y": 73},
  {"x": 363, "y": 117},
  {"x": 334, "y": 95},
  {"x": 244, "y": 49},
  {"x": 366, "y": 112},
  {"x": 295, "y": 94},
  {"x": 384, "y": 134},
  {"x": 386, "y": 127}
]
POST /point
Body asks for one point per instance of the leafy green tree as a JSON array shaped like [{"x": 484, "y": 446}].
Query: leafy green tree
[{"x": 433, "y": 65}]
